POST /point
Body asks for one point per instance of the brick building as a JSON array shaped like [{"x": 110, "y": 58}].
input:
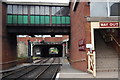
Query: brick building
[
  {"x": 80, "y": 30},
  {"x": 86, "y": 19}
]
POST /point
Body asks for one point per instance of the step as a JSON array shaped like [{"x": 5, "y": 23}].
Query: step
[{"x": 107, "y": 70}]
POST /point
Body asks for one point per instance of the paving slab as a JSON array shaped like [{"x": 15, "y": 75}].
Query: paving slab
[{"x": 68, "y": 72}]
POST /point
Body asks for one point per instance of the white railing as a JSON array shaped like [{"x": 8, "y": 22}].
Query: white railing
[{"x": 92, "y": 62}]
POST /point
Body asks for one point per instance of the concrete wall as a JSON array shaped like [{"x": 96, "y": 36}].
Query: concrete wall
[
  {"x": 8, "y": 43},
  {"x": 22, "y": 49},
  {"x": 80, "y": 29}
]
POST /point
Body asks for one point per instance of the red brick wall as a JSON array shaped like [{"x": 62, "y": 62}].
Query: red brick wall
[
  {"x": 0, "y": 34},
  {"x": 8, "y": 43},
  {"x": 80, "y": 29},
  {"x": 48, "y": 39}
]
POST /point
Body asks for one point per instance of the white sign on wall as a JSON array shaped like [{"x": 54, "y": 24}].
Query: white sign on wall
[{"x": 89, "y": 46}]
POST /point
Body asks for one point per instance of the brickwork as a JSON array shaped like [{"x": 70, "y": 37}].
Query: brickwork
[
  {"x": 7, "y": 42},
  {"x": 48, "y": 39},
  {"x": 0, "y": 34},
  {"x": 80, "y": 29}
]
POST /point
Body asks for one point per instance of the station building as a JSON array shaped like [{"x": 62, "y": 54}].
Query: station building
[
  {"x": 93, "y": 31},
  {"x": 94, "y": 25}
]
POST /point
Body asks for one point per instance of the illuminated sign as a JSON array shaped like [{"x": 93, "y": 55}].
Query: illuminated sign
[{"x": 109, "y": 24}]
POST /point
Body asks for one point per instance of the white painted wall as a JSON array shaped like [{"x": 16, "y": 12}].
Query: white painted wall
[{"x": 99, "y": 9}]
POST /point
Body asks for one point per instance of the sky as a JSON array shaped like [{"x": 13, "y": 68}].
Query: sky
[
  {"x": 64, "y": 1},
  {"x": 55, "y": 1}
]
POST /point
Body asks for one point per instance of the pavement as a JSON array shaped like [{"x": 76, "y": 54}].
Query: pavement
[
  {"x": 106, "y": 65},
  {"x": 68, "y": 72}
]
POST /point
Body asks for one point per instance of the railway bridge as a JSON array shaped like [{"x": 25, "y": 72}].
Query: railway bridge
[{"x": 29, "y": 18}]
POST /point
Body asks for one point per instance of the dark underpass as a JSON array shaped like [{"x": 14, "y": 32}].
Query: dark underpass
[{"x": 48, "y": 50}]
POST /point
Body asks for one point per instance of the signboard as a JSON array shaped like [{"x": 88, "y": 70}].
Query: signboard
[
  {"x": 89, "y": 46},
  {"x": 82, "y": 45},
  {"x": 109, "y": 24}
]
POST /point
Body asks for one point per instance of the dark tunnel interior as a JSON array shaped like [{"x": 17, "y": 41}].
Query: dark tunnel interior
[{"x": 47, "y": 50}]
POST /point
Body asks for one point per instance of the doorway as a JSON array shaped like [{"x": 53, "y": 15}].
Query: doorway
[{"x": 106, "y": 54}]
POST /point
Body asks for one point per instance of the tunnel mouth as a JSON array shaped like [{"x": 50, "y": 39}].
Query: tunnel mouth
[{"x": 48, "y": 50}]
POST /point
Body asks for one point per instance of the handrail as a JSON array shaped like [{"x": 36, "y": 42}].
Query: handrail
[{"x": 115, "y": 40}]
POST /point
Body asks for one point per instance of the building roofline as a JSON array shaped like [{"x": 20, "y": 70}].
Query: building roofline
[
  {"x": 97, "y": 19},
  {"x": 37, "y": 3}
]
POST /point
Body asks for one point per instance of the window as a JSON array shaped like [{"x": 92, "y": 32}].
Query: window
[
  {"x": 15, "y": 9},
  {"x": 37, "y": 10},
  {"x": 32, "y": 10},
  {"x": 114, "y": 9},
  {"x": 53, "y": 11},
  {"x": 41, "y": 10},
  {"x": 25, "y": 9},
  {"x": 9, "y": 9},
  {"x": 47, "y": 10},
  {"x": 64, "y": 11},
  {"x": 19, "y": 9},
  {"x": 56, "y": 11},
  {"x": 75, "y": 5}
]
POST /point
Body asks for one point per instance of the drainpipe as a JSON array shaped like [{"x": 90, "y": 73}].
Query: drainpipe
[{"x": 108, "y": 8}]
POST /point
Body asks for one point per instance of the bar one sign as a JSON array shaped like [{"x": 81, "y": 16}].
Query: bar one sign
[
  {"x": 109, "y": 24},
  {"x": 82, "y": 45}
]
